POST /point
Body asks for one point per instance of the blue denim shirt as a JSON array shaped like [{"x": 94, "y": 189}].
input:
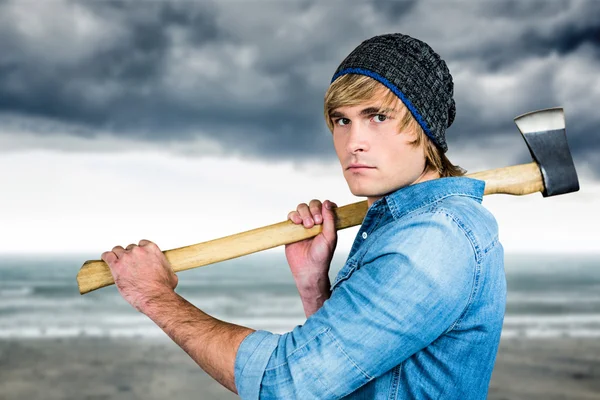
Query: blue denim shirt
[{"x": 415, "y": 313}]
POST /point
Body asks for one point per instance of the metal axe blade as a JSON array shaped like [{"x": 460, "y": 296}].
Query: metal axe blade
[{"x": 544, "y": 133}]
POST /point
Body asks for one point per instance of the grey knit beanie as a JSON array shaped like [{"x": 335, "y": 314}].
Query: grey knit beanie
[{"x": 414, "y": 72}]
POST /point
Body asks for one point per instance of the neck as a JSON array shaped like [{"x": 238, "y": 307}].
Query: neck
[{"x": 427, "y": 175}]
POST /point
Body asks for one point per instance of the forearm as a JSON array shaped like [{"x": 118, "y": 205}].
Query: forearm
[
  {"x": 314, "y": 294},
  {"x": 211, "y": 343}
]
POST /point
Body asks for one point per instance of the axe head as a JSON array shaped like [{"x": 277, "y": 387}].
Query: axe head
[{"x": 544, "y": 133}]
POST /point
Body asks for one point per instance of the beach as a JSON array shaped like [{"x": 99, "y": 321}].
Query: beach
[
  {"x": 102, "y": 369},
  {"x": 548, "y": 369},
  {"x": 57, "y": 344},
  {"x": 105, "y": 368}
]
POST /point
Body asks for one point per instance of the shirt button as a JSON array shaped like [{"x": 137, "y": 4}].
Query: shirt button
[{"x": 364, "y": 235}]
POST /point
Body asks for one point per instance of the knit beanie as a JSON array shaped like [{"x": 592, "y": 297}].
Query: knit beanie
[{"x": 412, "y": 71}]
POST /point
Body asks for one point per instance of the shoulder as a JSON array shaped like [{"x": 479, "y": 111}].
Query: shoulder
[
  {"x": 426, "y": 246},
  {"x": 454, "y": 226},
  {"x": 428, "y": 238},
  {"x": 477, "y": 222}
]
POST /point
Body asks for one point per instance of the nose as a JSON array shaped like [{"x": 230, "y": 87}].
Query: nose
[{"x": 357, "y": 139}]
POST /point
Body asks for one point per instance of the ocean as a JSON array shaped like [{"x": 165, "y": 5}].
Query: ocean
[{"x": 549, "y": 296}]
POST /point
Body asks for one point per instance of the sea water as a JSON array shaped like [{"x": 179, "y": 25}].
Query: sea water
[{"x": 548, "y": 296}]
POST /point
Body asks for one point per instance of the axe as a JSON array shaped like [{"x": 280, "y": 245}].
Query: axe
[{"x": 552, "y": 173}]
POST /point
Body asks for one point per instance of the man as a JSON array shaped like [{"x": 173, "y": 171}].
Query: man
[{"x": 417, "y": 310}]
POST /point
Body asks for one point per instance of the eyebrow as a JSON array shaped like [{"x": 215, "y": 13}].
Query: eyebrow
[{"x": 363, "y": 112}]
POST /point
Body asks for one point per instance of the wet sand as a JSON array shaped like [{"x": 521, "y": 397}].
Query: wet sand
[{"x": 89, "y": 368}]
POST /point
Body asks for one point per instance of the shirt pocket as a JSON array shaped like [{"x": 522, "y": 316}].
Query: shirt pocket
[{"x": 344, "y": 273}]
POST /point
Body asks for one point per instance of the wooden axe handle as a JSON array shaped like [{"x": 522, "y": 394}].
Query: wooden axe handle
[{"x": 95, "y": 274}]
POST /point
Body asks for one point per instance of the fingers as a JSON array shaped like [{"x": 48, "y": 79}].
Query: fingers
[
  {"x": 118, "y": 250},
  {"x": 109, "y": 257},
  {"x": 305, "y": 214},
  {"x": 302, "y": 215},
  {"x": 294, "y": 216},
  {"x": 309, "y": 214},
  {"x": 330, "y": 205},
  {"x": 329, "y": 221},
  {"x": 151, "y": 247},
  {"x": 315, "y": 210}
]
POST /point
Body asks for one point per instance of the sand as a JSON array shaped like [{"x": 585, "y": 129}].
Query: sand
[
  {"x": 548, "y": 369},
  {"x": 90, "y": 368}
]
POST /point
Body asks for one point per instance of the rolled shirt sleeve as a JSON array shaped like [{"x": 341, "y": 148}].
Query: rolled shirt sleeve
[
  {"x": 412, "y": 284},
  {"x": 251, "y": 360}
]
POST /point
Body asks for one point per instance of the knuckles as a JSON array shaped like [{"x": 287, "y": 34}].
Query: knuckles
[
  {"x": 315, "y": 203},
  {"x": 303, "y": 210}
]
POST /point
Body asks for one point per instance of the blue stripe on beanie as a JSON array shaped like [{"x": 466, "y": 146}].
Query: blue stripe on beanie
[{"x": 394, "y": 89}]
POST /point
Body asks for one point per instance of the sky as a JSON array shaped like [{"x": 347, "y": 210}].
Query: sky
[{"x": 182, "y": 122}]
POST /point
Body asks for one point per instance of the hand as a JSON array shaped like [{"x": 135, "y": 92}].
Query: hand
[
  {"x": 310, "y": 259},
  {"x": 141, "y": 273}
]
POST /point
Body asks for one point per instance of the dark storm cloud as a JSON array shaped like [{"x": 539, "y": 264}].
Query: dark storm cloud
[
  {"x": 394, "y": 10},
  {"x": 252, "y": 75},
  {"x": 532, "y": 29},
  {"x": 565, "y": 39},
  {"x": 515, "y": 9},
  {"x": 136, "y": 59}
]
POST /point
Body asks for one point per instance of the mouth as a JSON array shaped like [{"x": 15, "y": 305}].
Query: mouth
[{"x": 358, "y": 167}]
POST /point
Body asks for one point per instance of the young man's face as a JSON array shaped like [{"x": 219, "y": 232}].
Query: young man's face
[{"x": 376, "y": 159}]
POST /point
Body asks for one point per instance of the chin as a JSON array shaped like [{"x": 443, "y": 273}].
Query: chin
[{"x": 363, "y": 192}]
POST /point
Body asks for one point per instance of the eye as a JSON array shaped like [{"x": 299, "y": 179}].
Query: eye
[
  {"x": 341, "y": 121},
  {"x": 380, "y": 117}
]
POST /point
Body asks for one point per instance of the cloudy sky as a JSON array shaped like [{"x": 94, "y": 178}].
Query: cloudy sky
[{"x": 182, "y": 121}]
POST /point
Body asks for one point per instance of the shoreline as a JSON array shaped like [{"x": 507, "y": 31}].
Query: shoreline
[{"x": 113, "y": 368}]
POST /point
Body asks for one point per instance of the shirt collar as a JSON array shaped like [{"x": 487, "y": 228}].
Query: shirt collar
[{"x": 409, "y": 198}]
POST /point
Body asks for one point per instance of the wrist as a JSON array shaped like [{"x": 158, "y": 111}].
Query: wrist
[
  {"x": 314, "y": 286},
  {"x": 157, "y": 299},
  {"x": 314, "y": 295}
]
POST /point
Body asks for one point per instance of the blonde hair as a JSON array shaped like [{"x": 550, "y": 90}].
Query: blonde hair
[{"x": 352, "y": 89}]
